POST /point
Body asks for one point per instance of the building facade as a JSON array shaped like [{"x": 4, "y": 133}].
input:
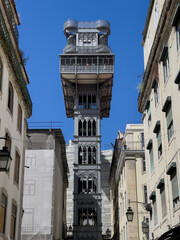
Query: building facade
[
  {"x": 87, "y": 68},
  {"x": 45, "y": 184},
  {"x": 128, "y": 185},
  {"x": 15, "y": 108},
  {"x": 159, "y": 102}
]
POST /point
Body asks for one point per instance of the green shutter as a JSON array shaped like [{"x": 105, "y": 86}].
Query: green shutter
[
  {"x": 169, "y": 115},
  {"x": 174, "y": 184},
  {"x": 151, "y": 159},
  {"x": 163, "y": 201}
]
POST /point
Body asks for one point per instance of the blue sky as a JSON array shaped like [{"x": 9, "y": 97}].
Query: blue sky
[{"x": 42, "y": 40}]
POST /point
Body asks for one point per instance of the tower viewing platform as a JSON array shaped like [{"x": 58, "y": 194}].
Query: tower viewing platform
[{"x": 87, "y": 60}]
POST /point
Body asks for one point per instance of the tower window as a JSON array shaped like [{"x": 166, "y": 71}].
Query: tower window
[
  {"x": 87, "y": 216},
  {"x": 84, "y": 128},
  {"x": 94, "y": 128}
]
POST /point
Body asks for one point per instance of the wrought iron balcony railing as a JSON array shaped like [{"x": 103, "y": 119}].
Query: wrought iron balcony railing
[
  {"x": 87, "y": 69},
  {"x": 11, "y": 19}
]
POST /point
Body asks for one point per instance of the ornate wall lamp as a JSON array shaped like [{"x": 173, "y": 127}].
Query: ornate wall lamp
[
  {"x": 145, "y": 223},
  {"x": 5, "y": 158}
]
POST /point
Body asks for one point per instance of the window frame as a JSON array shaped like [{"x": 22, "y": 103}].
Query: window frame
[
  {"x": 19, "y": 118},
  {"x": 17, "y": 168},
  {"x": 10, "y": 102},
  {"x": 3, "y": 206},
  {"x": 13, "y": 223},
  {"x": 1, "y": 74}
]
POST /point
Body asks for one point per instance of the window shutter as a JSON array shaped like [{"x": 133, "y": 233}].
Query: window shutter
[
  {"x": 163, "y": 201},
  {"x": 169, "y": 115},
  {"x": 174, "y": 184},
  {"x": 151, "y": 159}
]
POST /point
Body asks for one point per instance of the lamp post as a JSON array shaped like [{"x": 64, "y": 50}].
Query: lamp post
[
  {"x": 5, "y": 158},
  {"x": 145, "y": 223}
]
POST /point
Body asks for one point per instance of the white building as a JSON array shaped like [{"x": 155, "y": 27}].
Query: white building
[
  {"x": 159, "y": 100},
  {"x": 15, "y": 108},
  {"x": 45, "y": 183}
]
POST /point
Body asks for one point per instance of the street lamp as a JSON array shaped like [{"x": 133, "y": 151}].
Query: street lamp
[
  {"x": 5, "y": 159},
  {"x": 145, "y": 226},
  {"x": 145, "y": 223},
  {"x": 129, "y": 214}
]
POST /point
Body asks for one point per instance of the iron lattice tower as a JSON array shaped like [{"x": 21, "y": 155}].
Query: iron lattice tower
[{"x": 87, "y": 69}]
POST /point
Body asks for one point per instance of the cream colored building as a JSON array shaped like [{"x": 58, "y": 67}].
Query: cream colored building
[
  {"x": 129, "y": 184},
  {"x": 159, "y": 101},
  {"x": 15, "y": 108}
]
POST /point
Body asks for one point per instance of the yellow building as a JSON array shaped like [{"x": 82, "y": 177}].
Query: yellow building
[
  {"x": 128, "y": 188},
  {"x": 15, "y": 108},
  {"x": 159, "y": 101}
]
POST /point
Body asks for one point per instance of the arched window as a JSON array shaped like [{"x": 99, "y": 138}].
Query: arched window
[
  {"x": 80, "y": 155},
  {"x": 94, "y": 128},
  {"x": 84, "y": 156},
  {"x": 80, "y": 128},
  {"x": 89, "y": 155},
  {"x": 84, "y": 128},
  {"x": 89, "y": 128},
  {"x": 94, "y": 155}
]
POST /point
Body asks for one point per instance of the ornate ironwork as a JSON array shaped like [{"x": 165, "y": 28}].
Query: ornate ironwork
[{"x": 9, "y": 50}]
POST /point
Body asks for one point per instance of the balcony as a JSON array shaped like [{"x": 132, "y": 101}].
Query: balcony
[
  {"x": 11, "y": 19},
  {"x": 133, "y": 146},
  {"x": 87, "y": 69}
]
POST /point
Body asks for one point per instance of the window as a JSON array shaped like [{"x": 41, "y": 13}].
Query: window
[
  {"x": 157, "y": 130},
  {"x": 28, "y": 221},
  {"x": 154, "y": 207},
  {"x": 156, "y": 94},
  {"x": 31, "y": 160},
  {"x": 149, "y": 42},
  {"x": 10, "y": 98},
  {"x": 161, "y": 187},
  {"x": 142, "y": 140},
  {"x": 92, "y": 101},
  {"x": 165, "y": 62},
  {"x": 156, "y": 13},
  {"x": 178, "y": 36},
  {"x": 80, "y": 128},
  {"x": 166, "y": 68},
  {"x": 87, "y": 185},
  {"x": 17, "y": 168},
  {"x": 94, "y": 128},
  {"x": 13, "y": 221},
  {"x": 150, "y": 148},
  {"x": 172, "y": 171},
  {"x": 1, "y": 74},
  {"x": 143, "y": 164},
  {"x": 80, "y": 155},
  {"x": 3, "y": 211},
  {"x": 19, "y": 119},
  {"x": 145, "y": 194},
  {"x": 148, "y": 108},
  {"x": 176, "y": 24},
  {"x": 29, "y": 187},
  {"x": 167, "y": 108},
  {"x": 87, "y": 216}
]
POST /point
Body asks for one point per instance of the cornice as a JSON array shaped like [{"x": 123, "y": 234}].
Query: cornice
[{"x": 161, "y": 37}]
